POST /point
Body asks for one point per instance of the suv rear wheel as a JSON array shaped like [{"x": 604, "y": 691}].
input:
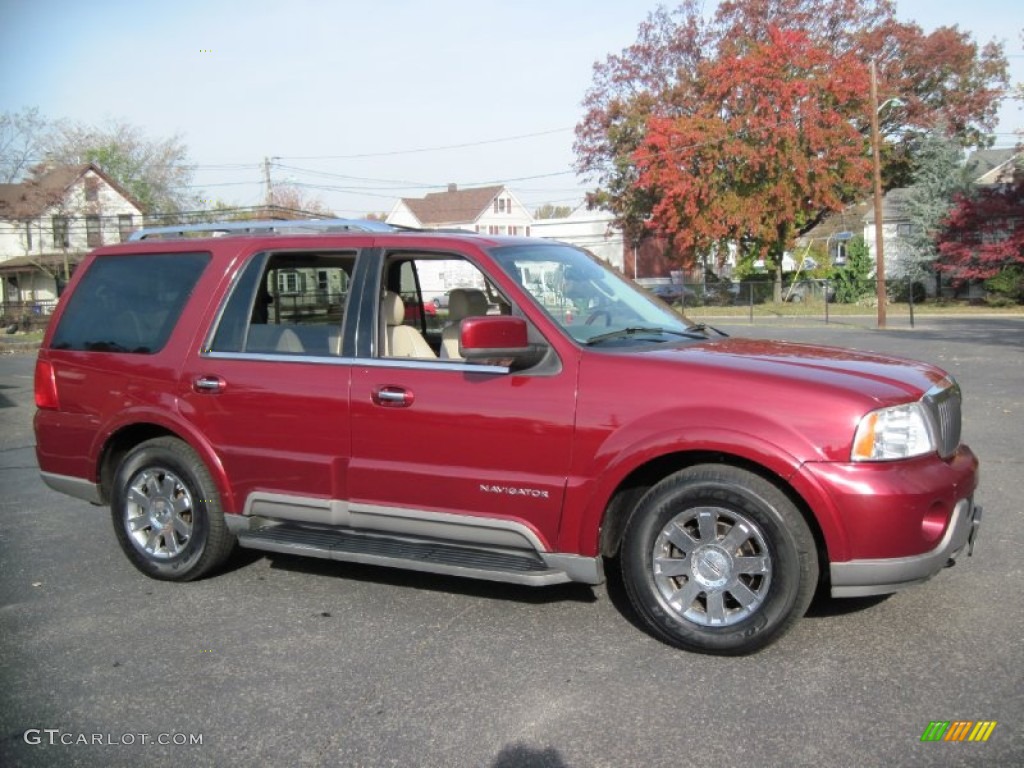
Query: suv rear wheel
[
  {"x": 166, "y": 512},
  {"x": 717, "y": 559}
]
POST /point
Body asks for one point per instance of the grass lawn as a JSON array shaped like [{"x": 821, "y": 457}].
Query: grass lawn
[{"x": 817, "y": 309}]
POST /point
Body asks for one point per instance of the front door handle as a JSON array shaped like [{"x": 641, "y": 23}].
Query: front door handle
[
  {"x": 393, "y": 397},
  {"x": 208, "y": 385}
]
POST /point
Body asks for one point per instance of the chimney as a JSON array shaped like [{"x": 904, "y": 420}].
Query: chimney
[{"x": 453, "y": 187}]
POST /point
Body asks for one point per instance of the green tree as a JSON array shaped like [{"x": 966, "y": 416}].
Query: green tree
[
  {"x": 852, "y": 279},
  {"x": 156, "y": 172},
  {"x": 939, "y": 177},
  {"x": 549, "y": 211}
]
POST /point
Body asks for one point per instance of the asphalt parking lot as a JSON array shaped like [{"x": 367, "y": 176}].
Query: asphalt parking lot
[{"x": 284, "y": 661}]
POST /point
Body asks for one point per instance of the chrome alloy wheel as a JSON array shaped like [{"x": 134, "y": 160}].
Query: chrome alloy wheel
[
  {"x": 712, "y": 566},
  {"x": 158, "y": 513}
]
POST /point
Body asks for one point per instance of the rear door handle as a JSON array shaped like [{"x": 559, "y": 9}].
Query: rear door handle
[
  {"x": 208, "y": 385},
  {"x": 393, "y": 397}
]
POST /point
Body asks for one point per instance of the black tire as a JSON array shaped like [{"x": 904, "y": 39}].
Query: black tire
[
  {"x": 167, "y": 513},
  {"x": 716, "y": 559}
]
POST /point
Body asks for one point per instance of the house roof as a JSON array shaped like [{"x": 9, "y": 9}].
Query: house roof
[
  {"x": 894, "y": 204},
  {"x": 455, "y": 206},
  {"x": 983, "y": 161},
  {"x": 850, "y": 219},
  {"x": 31, "y": 198},
  {"x": 46, "y": 261}
]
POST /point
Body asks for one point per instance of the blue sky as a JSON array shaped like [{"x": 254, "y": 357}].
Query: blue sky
[{"x": 317, "y": 84}]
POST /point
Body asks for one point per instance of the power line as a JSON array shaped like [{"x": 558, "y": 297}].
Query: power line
[{"x": 430, "y": 149}]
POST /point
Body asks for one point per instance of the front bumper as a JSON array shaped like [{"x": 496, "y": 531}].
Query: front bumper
[{"x": 858, "y": 578}]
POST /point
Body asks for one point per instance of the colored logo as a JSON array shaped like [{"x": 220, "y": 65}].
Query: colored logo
[{"x": 958, "y": 730}]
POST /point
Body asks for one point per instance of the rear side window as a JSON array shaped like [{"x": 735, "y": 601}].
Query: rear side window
[
  {"x": 287, "y": 304},
  {"x": 128, "y": 303}
]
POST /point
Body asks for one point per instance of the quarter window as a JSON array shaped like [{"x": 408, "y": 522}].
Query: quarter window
[{"x": 129, "y": 303}]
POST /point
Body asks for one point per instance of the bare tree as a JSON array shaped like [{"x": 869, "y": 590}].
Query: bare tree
[
  {"x": 22, "y": 135},
  {"x": 156, "y": 172}
]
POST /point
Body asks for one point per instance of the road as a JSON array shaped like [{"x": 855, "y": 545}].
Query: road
[{"x": 284, "y": 661}]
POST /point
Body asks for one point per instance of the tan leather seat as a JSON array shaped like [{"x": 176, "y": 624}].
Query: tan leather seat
[
  {"x": 400, "y": 340},
  {"x": 462, "y": 302}
]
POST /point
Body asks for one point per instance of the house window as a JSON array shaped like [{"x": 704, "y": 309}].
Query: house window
[
  {"x": 290, "y": 281},
  {"x": 125, "y": 225},
  {"x": 904, "y": 230},
  {"x": 527, "y": 231},
  {"x": 840, "y": 252},
  {"x": 93, "y": 236},
  {"x": 28, "y": 235},
  {"x": 60, "y": 232},
  {"x": 92, "y": 190}
]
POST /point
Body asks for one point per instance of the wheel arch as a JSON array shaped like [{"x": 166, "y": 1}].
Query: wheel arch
[
  {"x": 642, "y": 478},
  {"x": 128, "y": 436}
]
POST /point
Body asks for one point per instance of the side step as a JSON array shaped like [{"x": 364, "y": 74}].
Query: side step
[{"x": 430, "y": 555}]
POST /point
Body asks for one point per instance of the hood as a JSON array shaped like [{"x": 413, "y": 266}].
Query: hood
[{"x": 880, "y": 377}]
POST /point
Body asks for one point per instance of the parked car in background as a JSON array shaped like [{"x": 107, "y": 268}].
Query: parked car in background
[
  {"x": 809, "y": 290},
  {"x": 672, "y": 293}
]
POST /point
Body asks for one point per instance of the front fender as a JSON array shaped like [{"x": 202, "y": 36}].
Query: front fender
[{"x": 621, "y": 451}]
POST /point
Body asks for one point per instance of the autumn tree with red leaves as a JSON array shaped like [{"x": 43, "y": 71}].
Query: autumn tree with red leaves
[
  {"x": 765, "y": 150},
  {"x": 942, "y": 78},
  {"x": 983, "y": 237}
]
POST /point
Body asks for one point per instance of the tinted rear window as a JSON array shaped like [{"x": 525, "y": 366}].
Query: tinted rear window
[{"x": 128, "y": 303}]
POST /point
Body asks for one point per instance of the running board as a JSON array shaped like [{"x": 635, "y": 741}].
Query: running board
[{"x": 429, "y": 555}]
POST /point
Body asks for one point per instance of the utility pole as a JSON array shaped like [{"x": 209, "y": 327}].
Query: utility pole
[
  {"x": 269, "y": 198},
  {"x": 879, "y": 237}
]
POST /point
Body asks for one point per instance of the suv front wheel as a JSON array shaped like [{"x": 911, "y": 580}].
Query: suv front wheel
[
  {"x": 166, "y": 512},
  {"x": 717, "y": 559}
]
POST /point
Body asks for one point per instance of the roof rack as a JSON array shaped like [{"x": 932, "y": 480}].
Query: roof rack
[{"x": 290, "y": 226}]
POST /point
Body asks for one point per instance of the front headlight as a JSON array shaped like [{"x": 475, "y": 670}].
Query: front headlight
[{"x": 897, "y": 432}]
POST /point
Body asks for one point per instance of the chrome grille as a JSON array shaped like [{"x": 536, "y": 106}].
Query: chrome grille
[{"x": 943, "y": 404}]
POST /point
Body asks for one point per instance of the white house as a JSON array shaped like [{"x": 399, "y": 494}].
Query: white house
[
  {"x": 48, "y": 223},
  {"x": 984, "y": 167},
  {"x": 590, "y": 229},
  {"x": 487, "y": 210}
]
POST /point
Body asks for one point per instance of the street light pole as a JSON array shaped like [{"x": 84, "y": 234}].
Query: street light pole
[{"x": 879, "y": 238}]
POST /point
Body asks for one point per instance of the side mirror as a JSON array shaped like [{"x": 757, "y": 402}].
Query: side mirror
[{"x": 496, "y": 339}]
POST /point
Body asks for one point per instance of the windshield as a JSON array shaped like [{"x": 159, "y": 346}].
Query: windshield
[{"x": 590, "y": 301}]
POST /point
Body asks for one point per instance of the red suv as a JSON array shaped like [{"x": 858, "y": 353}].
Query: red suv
[{"x": 268, "y": 388}]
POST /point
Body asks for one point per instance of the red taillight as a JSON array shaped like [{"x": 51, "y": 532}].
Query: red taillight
[{"x": 46, "y": 386}]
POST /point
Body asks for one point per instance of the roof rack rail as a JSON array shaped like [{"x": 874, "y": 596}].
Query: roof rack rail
[{"x": 272, "y": 226}]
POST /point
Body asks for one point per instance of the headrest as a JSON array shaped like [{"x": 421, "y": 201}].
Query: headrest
[
  {"x": 393, "y": 309},
  {"x": 466, "y": 302}
]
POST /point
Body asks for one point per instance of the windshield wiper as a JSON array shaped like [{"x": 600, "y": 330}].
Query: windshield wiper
[
  {"x": 636, "y": 330},
  {"x": 703, "y": 327}
]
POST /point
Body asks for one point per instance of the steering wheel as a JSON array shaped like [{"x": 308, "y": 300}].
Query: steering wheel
[{"x": 596, "y": 314}]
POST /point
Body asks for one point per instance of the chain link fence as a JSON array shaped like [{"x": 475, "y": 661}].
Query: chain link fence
[{"x": 823, "y": 299}]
